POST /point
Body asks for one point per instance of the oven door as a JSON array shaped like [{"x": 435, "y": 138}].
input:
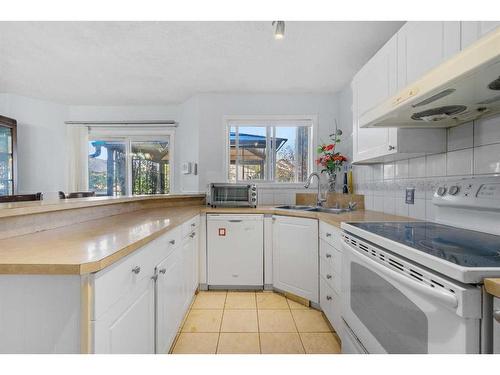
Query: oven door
[
  {"x": 390, "y": 311},
  {"x": 231, "y": 195}
]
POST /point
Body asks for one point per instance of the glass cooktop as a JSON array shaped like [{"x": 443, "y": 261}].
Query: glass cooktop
[{"x": 466, "y": 248}]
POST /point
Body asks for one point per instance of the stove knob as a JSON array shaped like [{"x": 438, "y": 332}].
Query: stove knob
[
  {"x": 453, "y": 190},
  {"x": 441, "y": 191}
]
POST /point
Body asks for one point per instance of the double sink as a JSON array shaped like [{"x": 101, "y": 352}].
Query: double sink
[{"x": 328, "y": 210}]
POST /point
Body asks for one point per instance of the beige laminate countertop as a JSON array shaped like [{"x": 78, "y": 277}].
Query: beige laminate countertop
[
  {"x": 37, "y": 207},
  {"x": 89, "y": 246},
  {"x": 332, "y": 219},
  {"x": 492, "y": 286},
  {"x": 93, "y": 245}
]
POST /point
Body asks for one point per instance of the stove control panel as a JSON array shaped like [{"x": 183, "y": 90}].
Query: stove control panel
[{"x": 481, "y": 193}]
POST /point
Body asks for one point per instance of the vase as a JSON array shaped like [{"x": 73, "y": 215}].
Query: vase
[{"x": 332, "y": 180}]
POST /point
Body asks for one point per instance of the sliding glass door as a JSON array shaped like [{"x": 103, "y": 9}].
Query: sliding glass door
[{"x": 130, "y": 165}]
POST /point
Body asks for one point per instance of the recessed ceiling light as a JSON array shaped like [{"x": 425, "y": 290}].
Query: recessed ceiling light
[{"x": 279, "y": 29}]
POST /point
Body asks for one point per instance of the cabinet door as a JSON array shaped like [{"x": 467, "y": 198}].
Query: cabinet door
[
  {"x": 496, "y": 325},
  {"x": 128, "y": 327},
  {"x": 374, "y": 83},
  {"x": 474, "y": 30},
  {"x": 195, "y": 248},
  {"x": 170, "y": 300},
  {"x": 423, "y": 45},
  {"x": 187, "y": 274},
  {"x": 295, "y": 256}
]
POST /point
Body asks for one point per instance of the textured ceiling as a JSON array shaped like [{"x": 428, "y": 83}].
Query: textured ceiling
[{"x": 166, "y": 62}]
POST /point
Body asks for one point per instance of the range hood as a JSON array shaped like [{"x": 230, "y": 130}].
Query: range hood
[{"x": 462, "y": 89}]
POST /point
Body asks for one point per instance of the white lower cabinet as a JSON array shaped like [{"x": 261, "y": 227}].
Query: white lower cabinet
[
  {"x": 330, "y": 259},
  {"x": 496, "y": 325},
  {"x": 170, "y": 299},
  {"x": 128, "y": 327},
  {"x": 140, "y": 301},
  {"x": 295, "y": 256},
  {"x": 190, "y": 266}
]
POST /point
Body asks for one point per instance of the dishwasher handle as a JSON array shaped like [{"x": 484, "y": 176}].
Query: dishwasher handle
[{"x": 235, "y": 221}]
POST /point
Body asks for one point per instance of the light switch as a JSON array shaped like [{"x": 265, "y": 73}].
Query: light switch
[{"x": 410, "y": 196}]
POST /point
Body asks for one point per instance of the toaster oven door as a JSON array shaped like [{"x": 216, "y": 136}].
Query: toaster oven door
[{"x": 231, "y": 195}]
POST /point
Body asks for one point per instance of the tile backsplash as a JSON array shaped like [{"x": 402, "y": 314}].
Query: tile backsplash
[{"x": 473, "y": 149}]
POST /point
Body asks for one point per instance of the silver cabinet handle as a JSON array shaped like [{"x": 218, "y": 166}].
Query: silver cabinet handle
[
  {"x": 496, "y": 315},
  {"x": 328, "y": 277},
  {"x": 328, "y": 298},
  {"x": 171, "y": 242},
  {"x": 192, "y": 235},
  {"x": 193, "y": 225},
  {"x": 136, "y": 270},
  {"x": 163, "y": 270},
  {"x": 391, "y": 148},
  {"x": 328, "y": 255},
  {"x": 235, "y": 221},
  {"x": 328, "y": 234}
]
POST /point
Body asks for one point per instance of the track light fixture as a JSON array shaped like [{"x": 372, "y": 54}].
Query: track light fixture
[{"x": 279, "y": 29}]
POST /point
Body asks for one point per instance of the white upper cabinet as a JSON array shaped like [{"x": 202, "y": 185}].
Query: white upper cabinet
[
  {"x": 423, "y": 45},
  {"x": 414, "y": 50},
  {"x": 374, "y": 83},
  {"x": 377, "y": 79},
  {"x": 474, "y": 30}
]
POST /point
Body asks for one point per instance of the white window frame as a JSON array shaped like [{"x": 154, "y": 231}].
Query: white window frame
[
  {"x": 269, "y": 121},
  {"x": 135, "y": 135}
]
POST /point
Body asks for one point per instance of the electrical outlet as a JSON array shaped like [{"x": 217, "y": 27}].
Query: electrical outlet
[{"x": 410, "y": 196}]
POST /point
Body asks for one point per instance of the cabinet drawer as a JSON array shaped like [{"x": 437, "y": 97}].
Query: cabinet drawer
[
  {"x": 330, "y": 304},
  {"x": 172, "y": 239},
  {"x": 330, "y": 234},
  {"x": 189, "y": 225},
  {"x": 326, "y": 272}
]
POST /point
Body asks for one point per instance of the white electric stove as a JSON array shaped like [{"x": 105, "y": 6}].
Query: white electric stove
[{"x": 415, "y": 287}]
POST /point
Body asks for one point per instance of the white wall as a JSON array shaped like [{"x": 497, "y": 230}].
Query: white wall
[
  {"x": 41, "y": 141},
  {"x": 123, "y": 113},
  {"x": 213, "y": 108},
  {"x": 187, "y": 144}
]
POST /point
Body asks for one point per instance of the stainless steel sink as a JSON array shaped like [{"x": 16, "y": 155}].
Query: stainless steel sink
[
  {"x": 300, "y": 208},
  {"x": 328, "y": 210}
]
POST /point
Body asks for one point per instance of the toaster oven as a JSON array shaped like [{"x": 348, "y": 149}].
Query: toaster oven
[{"x": 232, "y": 195}]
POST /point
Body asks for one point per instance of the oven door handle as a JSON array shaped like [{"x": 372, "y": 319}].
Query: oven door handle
[{"x": 444, "y": 297}]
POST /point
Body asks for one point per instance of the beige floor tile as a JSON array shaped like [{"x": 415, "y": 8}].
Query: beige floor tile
[
  {"x": 239, "y": 321},
  {"x": 269, "y": 300},
  {"x": 196, "y": 343},
  {"x": 209, "y": 300},
  {"x": 310, "y": 321},
  {"x": 203, "y": 321},
  {"x": 276, "y": 321},
  {"x": 320, "y": 343},
  {"x": 296, "y": 306},
  {"x": 240, "y": 300},
  {"x": 280, "y": 343},
  {"x": 238, "y": 343}
]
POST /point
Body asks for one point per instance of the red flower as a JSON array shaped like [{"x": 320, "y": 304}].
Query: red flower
[{"x": 329, "y": 147}]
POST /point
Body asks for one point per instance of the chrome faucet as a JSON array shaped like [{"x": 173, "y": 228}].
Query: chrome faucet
[{"x": 319, "y": 199}]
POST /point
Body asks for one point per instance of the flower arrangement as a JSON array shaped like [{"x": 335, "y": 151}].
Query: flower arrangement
[{"x": 330, "y": 160}]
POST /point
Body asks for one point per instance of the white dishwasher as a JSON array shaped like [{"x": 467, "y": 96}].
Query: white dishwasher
[{"x": 235, "y": 250}]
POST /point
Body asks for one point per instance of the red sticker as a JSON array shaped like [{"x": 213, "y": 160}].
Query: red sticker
[{"x": 222, "y": 231}]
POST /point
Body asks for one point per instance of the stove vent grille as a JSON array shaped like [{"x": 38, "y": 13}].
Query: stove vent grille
[{"x": 396, "y": 264}]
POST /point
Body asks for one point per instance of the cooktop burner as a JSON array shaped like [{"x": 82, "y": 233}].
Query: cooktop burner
[{"x": 466, "y": 248}]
